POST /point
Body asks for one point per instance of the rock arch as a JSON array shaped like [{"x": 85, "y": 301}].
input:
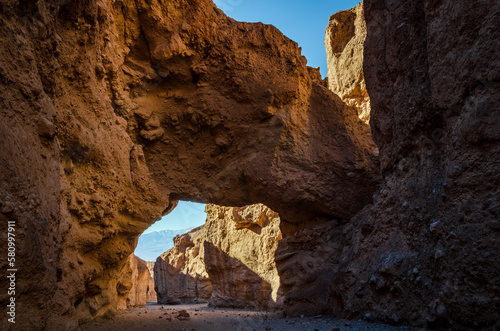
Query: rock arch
[{"x": 138, "y": 104}]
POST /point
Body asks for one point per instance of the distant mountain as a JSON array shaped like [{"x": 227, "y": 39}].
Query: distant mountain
[{"x": 151, "y": 245}]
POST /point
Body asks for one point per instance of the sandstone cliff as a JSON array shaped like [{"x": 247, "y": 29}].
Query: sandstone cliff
[
  {"x": 344, "y": 43},
  {"x": 180, "y": 274},
  {"x": 139, "y": 278}
]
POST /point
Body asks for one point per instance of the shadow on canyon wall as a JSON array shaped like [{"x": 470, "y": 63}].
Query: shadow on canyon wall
[{"x": 237, "y": 285}]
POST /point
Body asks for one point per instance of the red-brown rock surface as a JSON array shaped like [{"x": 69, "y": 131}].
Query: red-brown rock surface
[
  {"x": 138, "y": 276},
  {"x": 151, "y": 296},
  {"x": 110, "y": 111},
  {"x": 229, "y": 261}
]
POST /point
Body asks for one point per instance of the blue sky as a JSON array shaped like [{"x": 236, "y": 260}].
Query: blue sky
[
  {"x": 185, "y": 215},
  {"x": 300, "y": 20}
]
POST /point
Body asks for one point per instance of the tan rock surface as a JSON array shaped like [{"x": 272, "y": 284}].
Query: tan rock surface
[
  {"x": 240, "y": 246},
  {"x": 138, "y": 292},
  {"x": 180, "y": 275},
  {"x": 112, "y": 110},
  {"x": 151, "y": 296},
  {"x": 344, "y": 43},
  {"x": 229, "y": 260}
]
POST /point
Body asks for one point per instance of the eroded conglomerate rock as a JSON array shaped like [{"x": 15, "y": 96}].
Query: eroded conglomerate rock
[
  {"x": 180, "y": 274},
  {"x": 227, "y": 89},
  {"x": 344, "y": 43},
  {"x": 240, "y": 245},
  {"x": 427, "y": 251},
  {"x": 112, "y": 110}
]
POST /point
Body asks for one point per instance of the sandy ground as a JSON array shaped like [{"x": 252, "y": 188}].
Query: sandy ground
[{"x": 163, "y": 317}]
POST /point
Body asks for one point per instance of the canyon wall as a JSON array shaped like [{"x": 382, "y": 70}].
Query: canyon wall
[
  {"x": 229, "y": 261},
  {"x": 344, "y": 42},
  {"x": 240, "y": 245},
  {"x": 113, "y": 110},
  {"x": 138, "y": 280},
  {"x": 180, "y": 273},
  {"x": 151, "y": 296},
  {"x": 426, "y": 252}
]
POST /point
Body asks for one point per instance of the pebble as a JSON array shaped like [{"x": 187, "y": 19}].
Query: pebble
[{"x": 182, "y": 315}]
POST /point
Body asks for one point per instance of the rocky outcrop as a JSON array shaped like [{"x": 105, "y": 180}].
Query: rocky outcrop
[
  {"x": 212, "y": 90},
  {"x": 240, "y": 245},
  {"x": 308, "y": 256},
  {"x": 344, "y": 43},
  {"x": 426, "y": 252},
  {"x": 113, "y": 110},
  {"x": 180, "y": 275}
]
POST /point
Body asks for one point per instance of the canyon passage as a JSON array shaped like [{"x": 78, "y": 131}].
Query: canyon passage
[{"x": 374, "y": 192}]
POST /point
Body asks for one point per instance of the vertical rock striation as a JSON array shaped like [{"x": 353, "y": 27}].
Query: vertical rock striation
[
  {"x": 151, "y": 296},
  {"x": 139, "y": 282}
]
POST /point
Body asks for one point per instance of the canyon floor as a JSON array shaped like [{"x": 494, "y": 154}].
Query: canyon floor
[{"x": 203, "y": 318}]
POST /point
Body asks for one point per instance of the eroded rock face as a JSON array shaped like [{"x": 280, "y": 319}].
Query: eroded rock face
[
  {"x": 308, "y": 256},
  {"x": 139, "y": 279},
  {"x": 307, "y": 259},
  {"x": 151, "y": 296},
  {"x": 427, "y": 252},
  {"x": 344, "y": 43},
  {"x": 180, "y": 274},
  {"x": 112, "y": 110},
  {"x": 240, "y": 245},
  {"x": 212, "y": 90},
  {"x": 230, "y": 261}
]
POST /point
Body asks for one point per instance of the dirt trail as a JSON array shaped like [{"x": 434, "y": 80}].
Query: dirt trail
[{"x": 202, "y": 318}]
